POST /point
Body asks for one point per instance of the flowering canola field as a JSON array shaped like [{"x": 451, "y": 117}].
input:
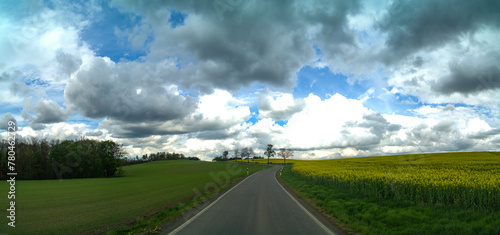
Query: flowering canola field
[{"x": 470, "y": 180}]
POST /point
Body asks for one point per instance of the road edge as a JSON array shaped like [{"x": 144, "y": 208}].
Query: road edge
[
  {"x": 334, "y": 226},
  {"x": 191, "y": 214}
]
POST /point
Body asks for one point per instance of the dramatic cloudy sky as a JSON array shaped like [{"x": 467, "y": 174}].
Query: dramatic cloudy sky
[{"x": 327, "y": 79}]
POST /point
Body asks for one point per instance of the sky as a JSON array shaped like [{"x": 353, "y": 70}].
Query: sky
[{"x": 327, "y": 79}]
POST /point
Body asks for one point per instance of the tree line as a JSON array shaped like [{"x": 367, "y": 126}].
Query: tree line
[
  {"x": 247, "y": 153},
  {"x": 41, "y": 159},
  {"x": 84, "y": 158},
  {"x": 159, "y": 156}
]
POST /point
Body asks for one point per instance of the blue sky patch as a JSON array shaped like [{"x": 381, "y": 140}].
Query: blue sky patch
[
  {"x": 103, "y": 40},
  {"x": 323, "y": 83},
  {"x": 176, "y": 18}
]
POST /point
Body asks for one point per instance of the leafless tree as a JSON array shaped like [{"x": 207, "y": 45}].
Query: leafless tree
[
  {"x": 236, "y": 154},
  {"x": 245, "y": 153},
  {"x": 285, "y": 153}
]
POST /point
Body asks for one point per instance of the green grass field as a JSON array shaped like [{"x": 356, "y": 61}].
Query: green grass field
[
  {"x": 350, "y": 191},
  {"x": 95, "y": 206}
]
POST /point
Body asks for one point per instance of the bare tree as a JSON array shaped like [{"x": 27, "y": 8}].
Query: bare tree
[
  {"x": 250, "y": 153},
  {"x": 285, "y": 153},
  {"x": 236, "y": 154},
  {"x": 245, "y": 153}
]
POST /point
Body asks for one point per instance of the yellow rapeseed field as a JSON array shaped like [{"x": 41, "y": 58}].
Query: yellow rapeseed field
[{"x": 470, "y": 180}]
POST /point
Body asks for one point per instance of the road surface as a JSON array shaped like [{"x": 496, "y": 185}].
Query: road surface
[{"x": 257, "y": 205}]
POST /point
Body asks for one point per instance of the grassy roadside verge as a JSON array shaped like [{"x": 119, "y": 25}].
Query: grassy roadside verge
[
  {"x": 153, "y": 225},
  {"x": 375, "y": 216}
]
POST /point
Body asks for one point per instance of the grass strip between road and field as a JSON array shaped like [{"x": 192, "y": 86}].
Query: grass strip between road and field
[
  {"x": 371, "y": 215},
  {"x": 153, "y": 224}
]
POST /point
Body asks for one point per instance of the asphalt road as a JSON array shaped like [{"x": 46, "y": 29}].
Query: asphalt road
[{"x": 258, "y": 205}]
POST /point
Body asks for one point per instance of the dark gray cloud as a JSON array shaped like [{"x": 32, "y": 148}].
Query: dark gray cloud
[
  {"x": 352, "y": 139},
  {"x": 25, "y": 112},
  {"x": 37, "y": 126},
  {"x": 425, "y": 25},
  {"x": 471, "y": 76},
  {"x": 119, "y": 129},
  {"x": 449, "y": 107},
  {"x": 394, "y": 127},
  {"x": 265, "y": 42},
  {"x": 48, "y": 111},
  {"x": 421, "y": 135},
  {"x": 376, "y": 123},
  {"x": 444, "y": 136},
  {"x": 445, "y": 126},
  {"x": 268, "y": 110},
  {"x": 286, "y": 113},
  {"x": 12, "y": 77},
  {"x": 18, "y": 88},
  {"x": 415, "y": 81},
  {"x": 4, "y": 121},
  {"x": 486, "y": 134},
  {"x": 196, "y": 124},
  {"x": 217, "y": 135},
  {"x": 418, "y": 62},
  {"x": 94, "y": 133},
  {"x": 335, "y": 38},
  {"x": 67, "y": 63},
  {"x": 6, "y": 77},
  {"x": 123, "y": 92}
]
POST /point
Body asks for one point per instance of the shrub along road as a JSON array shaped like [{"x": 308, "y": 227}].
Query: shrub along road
[{"x": 257, "y": 205}]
